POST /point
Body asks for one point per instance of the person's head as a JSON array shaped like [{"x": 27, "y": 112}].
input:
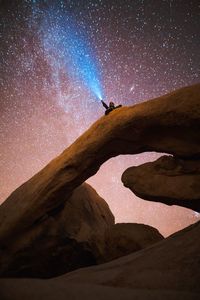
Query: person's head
[{"x": 111, "y": 104}]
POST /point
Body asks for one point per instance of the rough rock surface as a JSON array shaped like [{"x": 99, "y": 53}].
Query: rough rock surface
[
  {"x": 172, "y": 264},
  {"x": 69, "y": 238},
  {"x": 124, "y": 238},
  {"x": 167, "y": 270},
  {"x": 170, "y": 180},
  {"x": 168, "y": 124}
]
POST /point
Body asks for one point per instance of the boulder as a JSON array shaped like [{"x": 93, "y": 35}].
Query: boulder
[
  {"x": 125, "y": 238},
  {"x": 171, "y": 264},
  {"x": 169, "y": 270},
  {"x": 168, "y": 124},
  {"x": 169, "y": 179},
  {"x": 68, "y": 238}
]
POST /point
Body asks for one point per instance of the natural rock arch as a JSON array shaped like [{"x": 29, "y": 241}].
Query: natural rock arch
[{"x": 167, "y": 124}]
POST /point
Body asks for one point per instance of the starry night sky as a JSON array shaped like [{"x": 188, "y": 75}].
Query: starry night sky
[{"x": 134, "y": 50}]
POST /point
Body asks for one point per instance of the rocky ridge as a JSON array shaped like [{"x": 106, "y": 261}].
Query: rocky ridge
[
  {"x": 167, "y": 270},
  {"x": 169, "y": 124}
]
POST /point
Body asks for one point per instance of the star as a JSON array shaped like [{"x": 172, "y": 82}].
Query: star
[{"x": 59, "y": 57}]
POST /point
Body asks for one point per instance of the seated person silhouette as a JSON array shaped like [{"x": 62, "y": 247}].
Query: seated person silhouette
[{"x": 110, "y": 107}]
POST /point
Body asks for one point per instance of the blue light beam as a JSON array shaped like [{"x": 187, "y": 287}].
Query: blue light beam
[{"x": 67, "y": 46}]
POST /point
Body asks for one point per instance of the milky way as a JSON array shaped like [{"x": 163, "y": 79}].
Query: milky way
[{"x": 136, "y": 50}]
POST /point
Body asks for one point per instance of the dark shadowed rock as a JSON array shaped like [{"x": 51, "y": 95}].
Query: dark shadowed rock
[
  {"x": 170, "y": 180},
  {"x": 44, "y": 233},
  {"x": 35, "y": 289},
  {"x": 168, "y": 270},
  {"x": 171, "y": 264},
  {"x": 125, "y": 238},
  {"x": 62, "y": 240},
  {"x": 167, "y": 124}
]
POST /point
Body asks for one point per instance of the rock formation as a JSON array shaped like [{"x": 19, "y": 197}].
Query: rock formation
[
  {"x": 79, "y": 233},
  {"x": 170, "y": 180},
  {"x": 167, "y": 124},
  {"x": 168, "y": 270},
  {"x": 43, "y": 210},
  {"x": 172, "y": 264},
  {"x": 125, "y": 238},
  {"x": 69, "y": 238}
]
